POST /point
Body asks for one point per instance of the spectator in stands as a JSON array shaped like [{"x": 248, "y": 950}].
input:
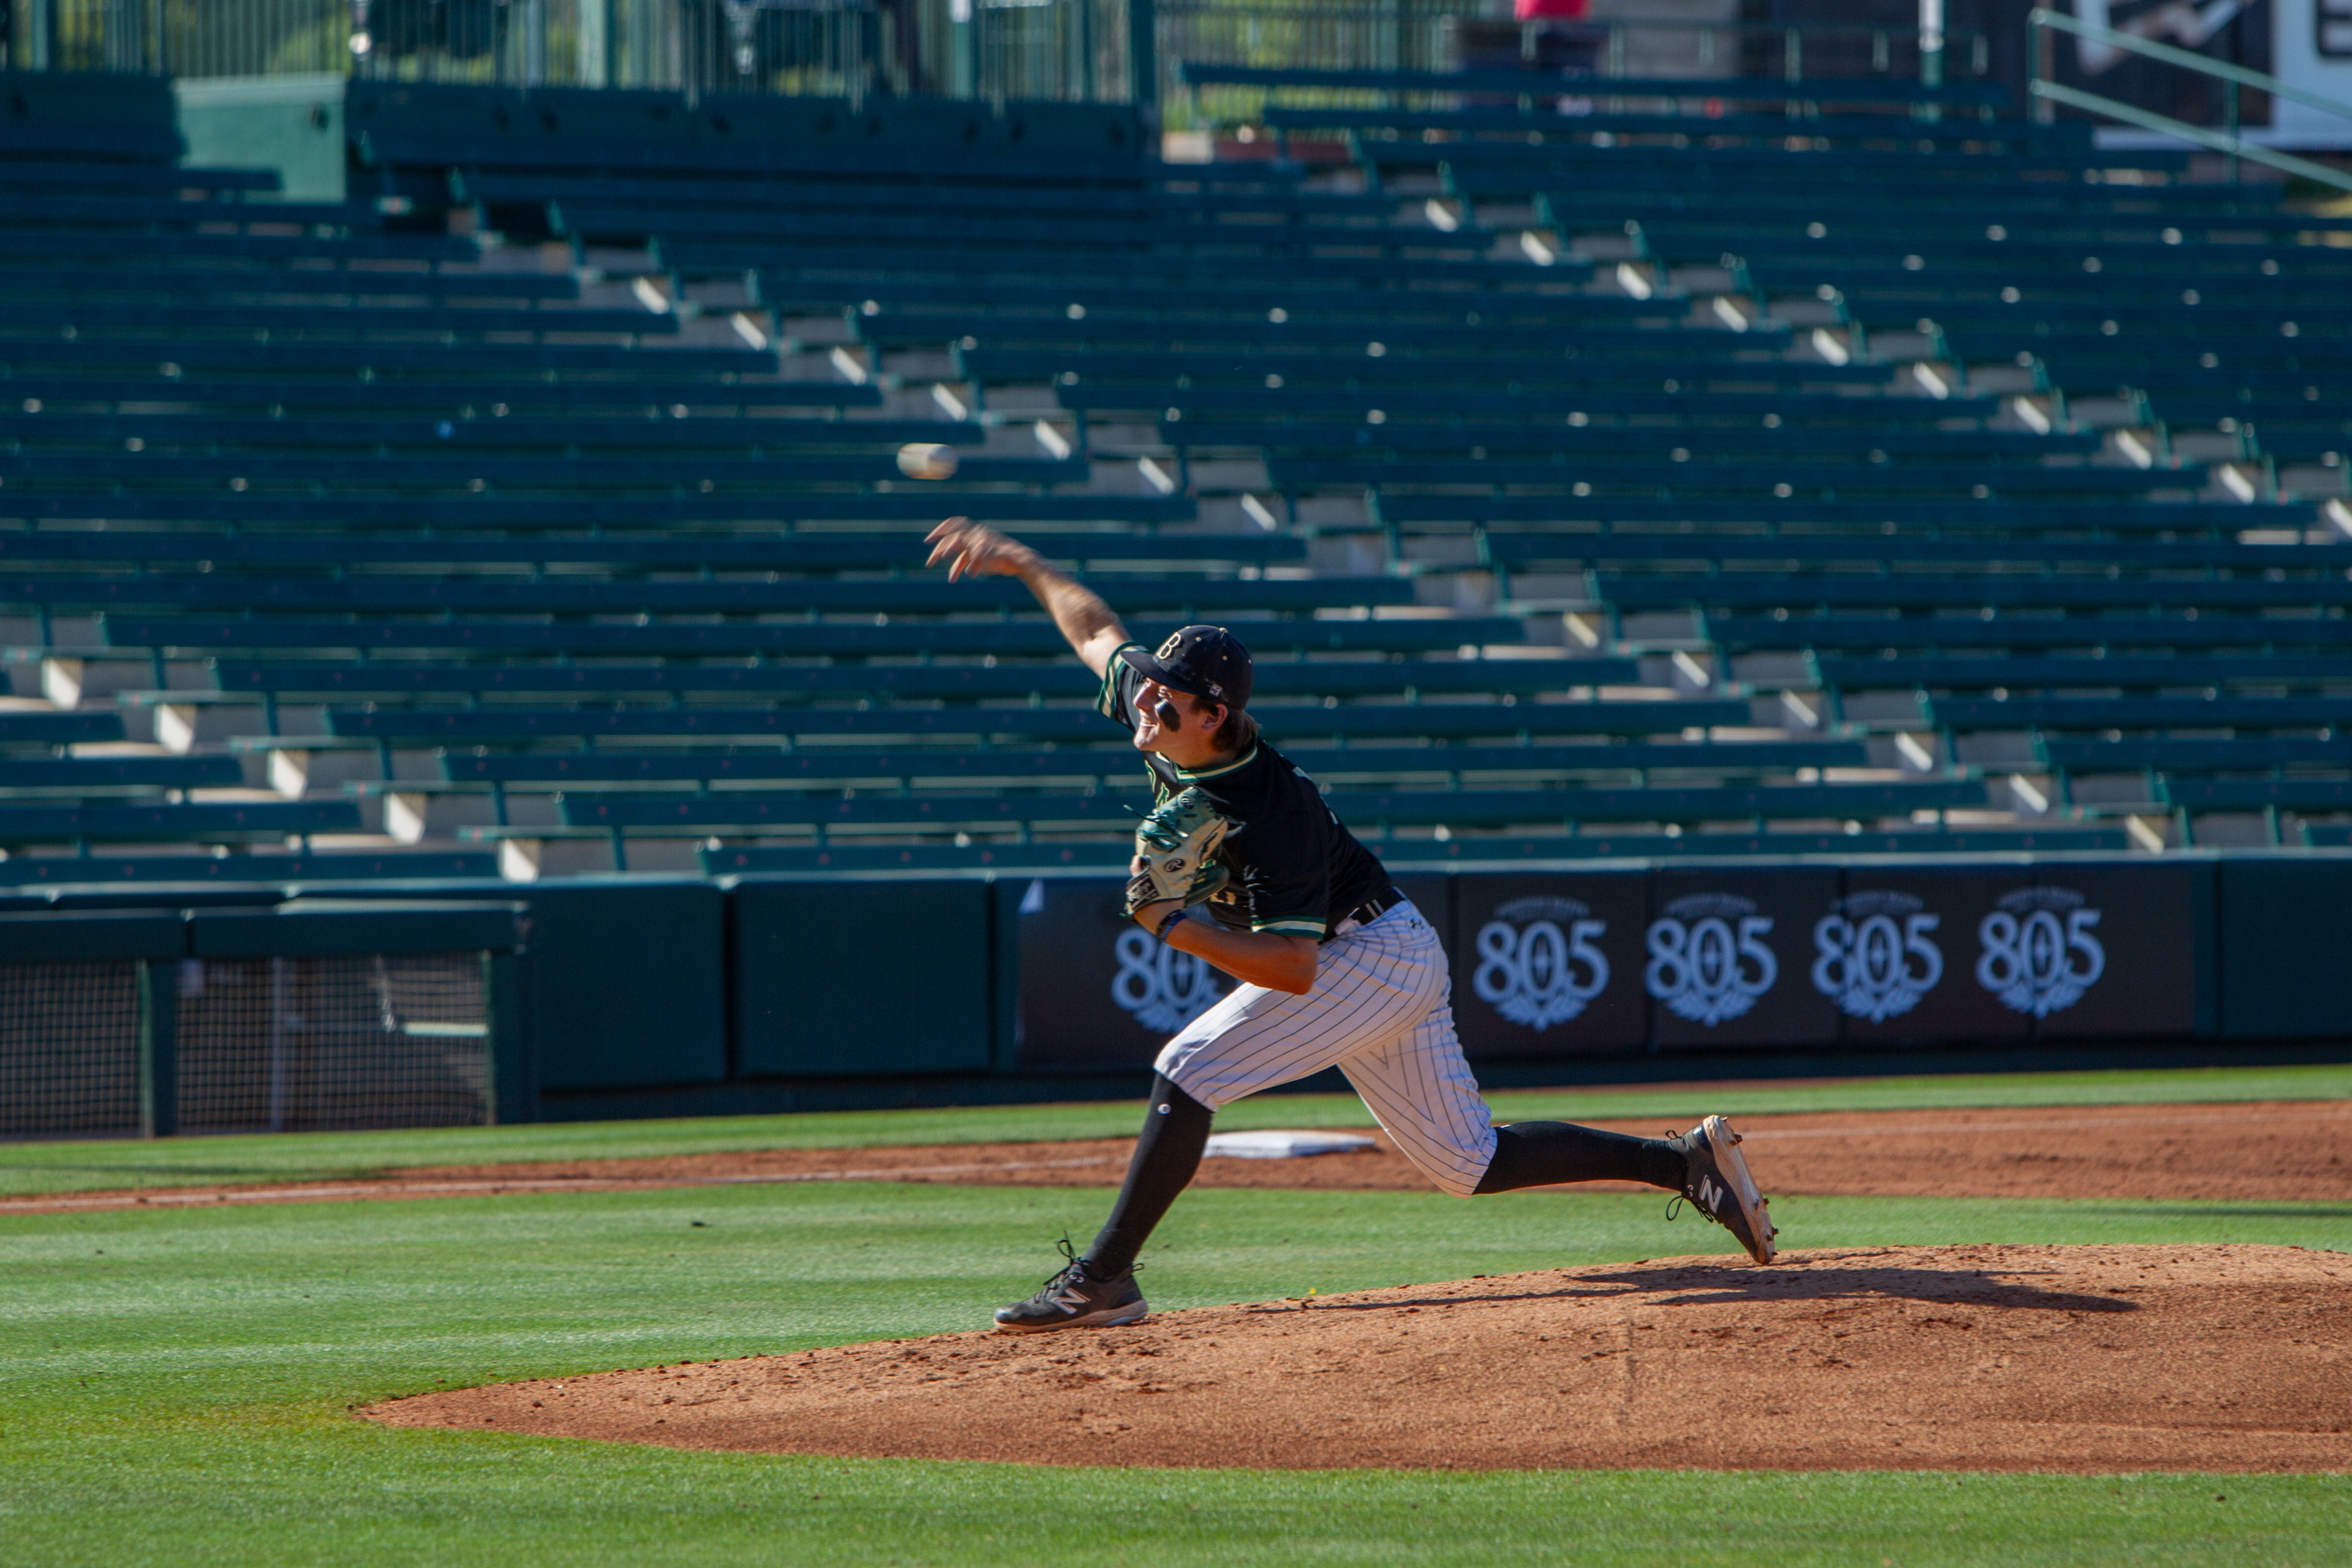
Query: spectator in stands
[{"x": 1561, "y": 42}]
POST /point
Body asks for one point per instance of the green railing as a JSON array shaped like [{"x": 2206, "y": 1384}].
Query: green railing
[
  {"x": 1446, "y": 35},
  {"x": 965, "y": 48},
  {"x": 2050, "y": 94},
  {"x": 1083, "y": 50}
]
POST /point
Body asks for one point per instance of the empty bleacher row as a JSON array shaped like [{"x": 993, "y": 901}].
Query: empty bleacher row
[{"x": 562, "y": 518}]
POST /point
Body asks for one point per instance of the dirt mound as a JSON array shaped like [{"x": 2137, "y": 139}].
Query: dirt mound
[
  {"x": 1998, "y": 1358},
  {"x": 2253, "y": 1152}
]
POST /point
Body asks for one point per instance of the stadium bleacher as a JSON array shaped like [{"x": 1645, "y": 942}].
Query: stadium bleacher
[{"x": 1636, "y": 482}]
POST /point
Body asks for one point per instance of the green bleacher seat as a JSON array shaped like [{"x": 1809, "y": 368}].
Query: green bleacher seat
[
  {"x": 1417, "y": 853},
  {"x": 485, "y": 594},
  {"x": 1156, "y": 378},
  {"x": 758, "y": 506},
  {"x": 99, "y": 321},
  {"x": 1621, "y": 442},
  {"x": 2259, "y": 794},
  {"x": 39, "y": 869},
  {"x": 222, "y": 281},
  {"x": 1282, "y": 721},
  {"x": 100, "y": 774},
  {"x": 382, "y": 677},
  {"x": 386, "y": 395},
  {"x": 834, "y": 765},
  {"x": 1895, "y": 519},
  {"x": 815, "y": 552},
  {"x": 224, "y": 823},
  {"x": 20, "y": 726},
  {"x": 1997, "y": 590},
  {"x": 2172, "y": 756},
  {"x": 1915, "y": 631},
  {"x": 744, "y": 811},
  {"x": 385, "y": 435},
  {"x": 1979, "y": 673},
  {"x": 2140, "y": 713},
  {"x": 1808, "y": 477},
  {"x": 1561, "y": 549},
  {"x": 964, "y": 639}
]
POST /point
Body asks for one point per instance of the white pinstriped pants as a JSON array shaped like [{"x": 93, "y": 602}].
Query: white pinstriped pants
[{"x": 1382, "y": 1013}]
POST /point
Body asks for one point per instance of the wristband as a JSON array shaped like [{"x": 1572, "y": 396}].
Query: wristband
[{"x": 1169, "y": 924}]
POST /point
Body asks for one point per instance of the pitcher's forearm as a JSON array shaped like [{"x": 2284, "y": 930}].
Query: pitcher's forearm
[
  {"x": 973, "y": 549},
  {"x": 1079, "y": 612},
  {"x": 1255, "y": 957}
]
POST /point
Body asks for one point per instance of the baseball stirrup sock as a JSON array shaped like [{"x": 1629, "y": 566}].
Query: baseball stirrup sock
[
  {"x": 1539, "y": 1154},
  {"x": 1175, "y": 1131}
]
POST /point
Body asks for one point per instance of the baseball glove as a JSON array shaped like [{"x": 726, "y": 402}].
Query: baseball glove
[{"x": 1176, "y": 848}]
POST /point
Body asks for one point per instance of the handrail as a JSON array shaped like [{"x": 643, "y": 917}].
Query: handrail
[
  {"x": 2187, "y": 59},
  {"x": 2045, "y": 90},
  {"x": 2236, "y": 146}
]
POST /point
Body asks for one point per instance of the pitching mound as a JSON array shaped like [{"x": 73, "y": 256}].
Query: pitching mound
[{"x": 2008, "y": 1358}]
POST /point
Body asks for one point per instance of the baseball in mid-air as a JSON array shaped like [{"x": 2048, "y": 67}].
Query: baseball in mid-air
[{"x": 926, "y": 460}]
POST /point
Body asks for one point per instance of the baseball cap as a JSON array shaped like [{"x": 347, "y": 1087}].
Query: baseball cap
[{"x": 1205, "y": 661}]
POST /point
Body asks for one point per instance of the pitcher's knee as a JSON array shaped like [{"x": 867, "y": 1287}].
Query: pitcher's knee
[{"x": 1455, "y": 1183}]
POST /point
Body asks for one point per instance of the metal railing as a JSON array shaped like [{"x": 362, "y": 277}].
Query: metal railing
[
  {"x": 2049, "y": 94},
  {"x": 1446, "y": 34},
  {"x": 1079, "y": 50},
  {"x": 1074, "y": 49}
]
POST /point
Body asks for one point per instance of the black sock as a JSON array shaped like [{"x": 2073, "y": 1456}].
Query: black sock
[
  {"x": 1540, "y": 1154},
  {"x": 1175, "y": 1130}
]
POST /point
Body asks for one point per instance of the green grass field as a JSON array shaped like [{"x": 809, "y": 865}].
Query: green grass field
[
  {"x": 74, "y": 1166},
  {"x": 174, "y": 1387}
]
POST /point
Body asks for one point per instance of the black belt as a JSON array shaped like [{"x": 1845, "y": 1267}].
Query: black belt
[{"x": 1371, "y": 909}]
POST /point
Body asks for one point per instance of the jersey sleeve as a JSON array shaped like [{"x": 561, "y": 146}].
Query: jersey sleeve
[
  {"x": 1121, "y": 680},
  {"x": 1285, "y": 876}
]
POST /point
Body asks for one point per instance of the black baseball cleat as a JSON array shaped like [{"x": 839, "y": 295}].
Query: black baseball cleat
[
  {"x": 1718, "y": 1183},
  {"x": 1076, "y": 1299}
]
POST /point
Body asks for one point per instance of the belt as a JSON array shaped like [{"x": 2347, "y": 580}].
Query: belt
[{"x": 1371, "y": 909}]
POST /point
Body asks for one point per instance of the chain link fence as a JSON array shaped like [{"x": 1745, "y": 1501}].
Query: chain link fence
[
  {"x": 69, "y": 1050},
  {"x": 307, "y": 1016},
  {"x": 317, "y": 1044}
]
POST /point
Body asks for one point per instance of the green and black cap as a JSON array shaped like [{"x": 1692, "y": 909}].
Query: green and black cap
[{"x": 1206, "y": 660}]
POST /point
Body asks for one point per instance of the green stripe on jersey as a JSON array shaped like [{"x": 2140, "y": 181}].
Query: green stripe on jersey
[
  {"x": 1292, "y": 928},
  {"x": 1105, "y": 694}
]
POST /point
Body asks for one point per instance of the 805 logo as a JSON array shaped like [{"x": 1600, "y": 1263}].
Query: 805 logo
[
  {"x": 1165, "y": 990},
  {"x": 1537, "y": 962},
  {"x": 1708, "y": 962},
  {"x": 2039, "y": 953},
  {"x": 1875, "y": 961}
]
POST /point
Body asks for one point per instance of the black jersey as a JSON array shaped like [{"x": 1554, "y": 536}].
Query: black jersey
[{"x": 1296, "y": 870}]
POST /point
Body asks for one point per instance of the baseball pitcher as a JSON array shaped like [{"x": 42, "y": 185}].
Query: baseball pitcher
[{"x": 1242, "y": 864}]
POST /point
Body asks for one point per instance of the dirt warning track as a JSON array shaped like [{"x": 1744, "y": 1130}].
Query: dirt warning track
[
  {"x": 1996, "y": 1358},
  {"x": 2273, "y": 1152}
]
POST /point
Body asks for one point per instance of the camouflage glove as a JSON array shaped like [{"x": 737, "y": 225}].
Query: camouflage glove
[{"x": 1175, "y": 847}]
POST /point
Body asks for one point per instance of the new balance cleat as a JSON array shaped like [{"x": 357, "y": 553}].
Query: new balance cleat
[
  {"x": 1076, "y": 1299},
  {"x": 1718, "y": 1184}
]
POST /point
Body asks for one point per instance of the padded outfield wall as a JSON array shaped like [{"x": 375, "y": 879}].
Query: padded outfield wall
[
  {"x": 677, "y": 995},
  {"x": 924, "y": 990}
]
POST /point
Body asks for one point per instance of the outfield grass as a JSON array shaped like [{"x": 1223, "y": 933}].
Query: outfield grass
[
  {"x": 174, "y": 1387},
  {"x": 84, "y": 1166}
]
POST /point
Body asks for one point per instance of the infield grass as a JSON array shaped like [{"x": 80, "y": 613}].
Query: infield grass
[
  {"x": 85, "y": 1166},
  {"x": 174, "y": 1388}
]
